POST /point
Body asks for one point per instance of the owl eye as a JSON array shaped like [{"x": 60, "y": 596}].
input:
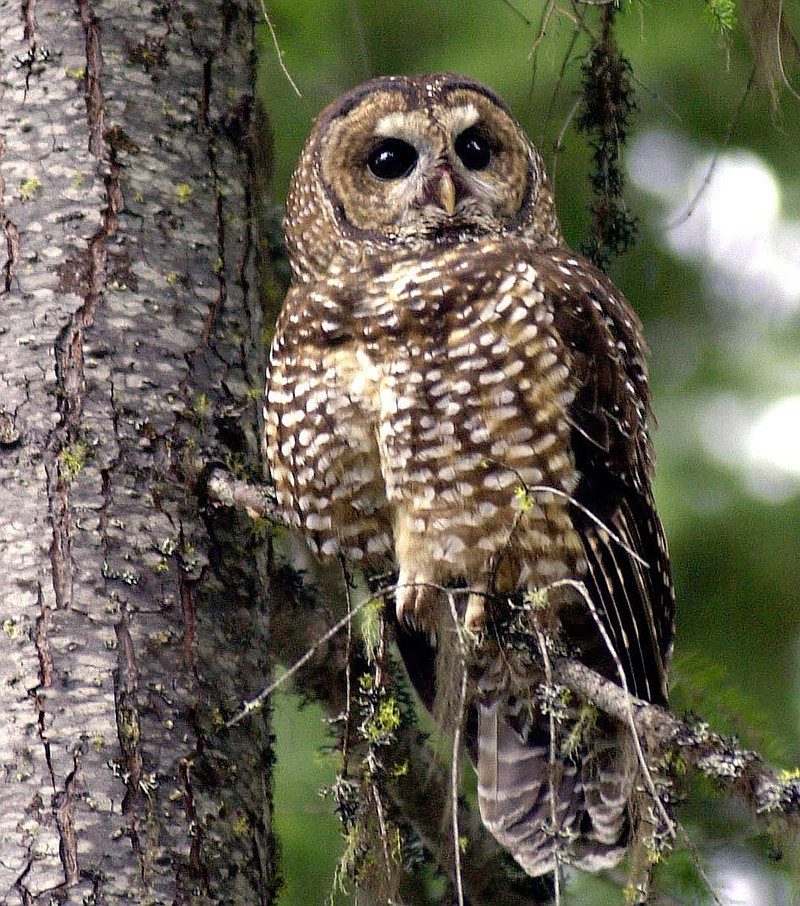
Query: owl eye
[
  {"x": 473, "y": 149},
  {"x": 392, "y": 159}
]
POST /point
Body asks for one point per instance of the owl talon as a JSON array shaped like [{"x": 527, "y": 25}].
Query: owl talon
[
  {"x": 475, "y": 616},
  {"x": 414, "y": 603}
]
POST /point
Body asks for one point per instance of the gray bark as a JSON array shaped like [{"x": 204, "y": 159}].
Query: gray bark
[{"x": 129, "y": 350}]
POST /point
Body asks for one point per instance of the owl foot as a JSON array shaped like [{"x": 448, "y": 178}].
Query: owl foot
[{"x": 415, "y": 601}]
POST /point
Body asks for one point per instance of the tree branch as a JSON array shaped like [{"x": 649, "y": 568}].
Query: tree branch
[
  {"x": 256, "y": 499},
  {"x": 741, "y": 771},
  {"x": 665, "y": 737}
]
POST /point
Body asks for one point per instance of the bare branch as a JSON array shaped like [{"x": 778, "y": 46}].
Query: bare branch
[
  {"x": 258, "y": 701},
  {"x": 256, "y": 499},
  {"x": 308, "y": 632},
  {"x": 739, "y": 771}
]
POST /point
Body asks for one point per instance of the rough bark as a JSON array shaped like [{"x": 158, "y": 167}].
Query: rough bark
[{"x": 129, "y": 340}]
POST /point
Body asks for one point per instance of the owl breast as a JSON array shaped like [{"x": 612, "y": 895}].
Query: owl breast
[{"x": 423, "y": 416}]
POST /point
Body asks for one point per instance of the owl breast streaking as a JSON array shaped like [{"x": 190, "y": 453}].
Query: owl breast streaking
[{"x": 455, "y": 394}]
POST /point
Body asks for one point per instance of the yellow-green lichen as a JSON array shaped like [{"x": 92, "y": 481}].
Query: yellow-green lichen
[
  {"x": 29, "y": 187},
  {"x": 384, "y": 722},
  {"x": 11, "y": 628},
  {"x": 241, "y": 827}
]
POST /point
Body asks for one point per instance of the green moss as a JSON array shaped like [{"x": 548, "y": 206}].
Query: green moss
[{"x": 74, "y": 458}]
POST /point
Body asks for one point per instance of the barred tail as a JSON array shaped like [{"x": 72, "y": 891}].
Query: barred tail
[{"x": 571, "y": 810}]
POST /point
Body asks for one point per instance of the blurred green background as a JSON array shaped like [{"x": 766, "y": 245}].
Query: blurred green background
[{"x": 716, "y": 279}]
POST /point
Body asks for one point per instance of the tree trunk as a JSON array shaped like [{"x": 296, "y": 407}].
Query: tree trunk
[{"x": 130, "y": 350}]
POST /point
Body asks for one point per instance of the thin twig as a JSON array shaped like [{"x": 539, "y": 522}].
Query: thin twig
[
  {"x": 541, "y": 489},
  {"x": 672, "y": 827},
  {"x": 361, "y": 37},
  {"x": 379, "y": 679},
  {"x": 455, "y": 782},
  {"x": 565, "y": 62},
  {"x": 278, "y": 50},
  {"x": 519, "y": 12},
  {"x": 715, "y": 159},
  {"x": 348, "y": 708},
  {"x": 779, "y": 51},
  {"x": 376, "y": 797},
  {"x": 545, "y": 20},
  {"x": 557, "y": 148},
  {"x": 257, "y": 701},
  {"x": 623, "y": 681},
  {"x": 658, "y": 98}
]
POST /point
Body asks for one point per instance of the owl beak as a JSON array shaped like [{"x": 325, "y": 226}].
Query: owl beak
[{"x": 447, "y": 193}]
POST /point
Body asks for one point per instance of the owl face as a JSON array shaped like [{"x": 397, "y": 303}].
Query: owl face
[{"x": 414, "y": 161}]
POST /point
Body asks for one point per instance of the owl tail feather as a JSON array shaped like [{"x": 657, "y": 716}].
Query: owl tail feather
[{"x": 553, "y": 811}]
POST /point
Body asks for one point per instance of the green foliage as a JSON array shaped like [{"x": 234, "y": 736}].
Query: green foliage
[
  {"x": 721, "y": 15},
  {"x": 704, "y": 686}
]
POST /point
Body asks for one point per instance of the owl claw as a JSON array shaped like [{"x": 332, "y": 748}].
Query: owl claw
[
  {"x": 414, "y": 603},
  {"x": 475, "y": 616}
]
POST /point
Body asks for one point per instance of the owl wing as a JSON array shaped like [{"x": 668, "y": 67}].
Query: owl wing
[
  {"x": 628, "y": 575},
  {"x": 612, "y": 510},
  {"x": 521, "y": 790}
]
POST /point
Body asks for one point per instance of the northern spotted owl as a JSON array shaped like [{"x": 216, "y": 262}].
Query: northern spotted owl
[{"x": 455, "y": 395}]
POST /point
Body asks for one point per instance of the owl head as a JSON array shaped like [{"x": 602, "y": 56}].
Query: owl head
[{"x": 408, "y": 162}]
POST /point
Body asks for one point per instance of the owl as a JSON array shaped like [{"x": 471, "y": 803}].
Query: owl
[{"x": 455, "y": 396}]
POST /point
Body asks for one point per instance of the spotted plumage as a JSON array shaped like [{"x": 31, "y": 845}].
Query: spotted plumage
[{"x": 454, "y": 394}]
